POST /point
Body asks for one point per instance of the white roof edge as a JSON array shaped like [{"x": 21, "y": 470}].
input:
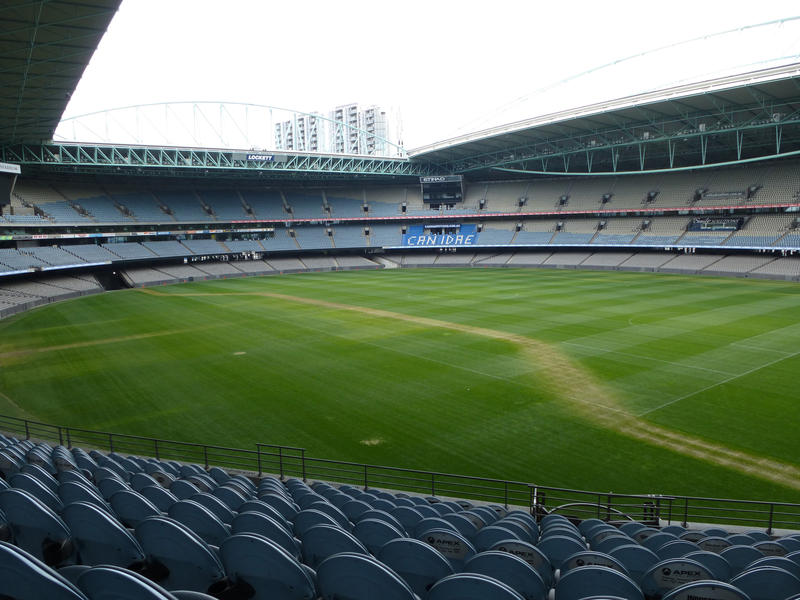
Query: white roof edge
[{"x": 690, "y": 89}]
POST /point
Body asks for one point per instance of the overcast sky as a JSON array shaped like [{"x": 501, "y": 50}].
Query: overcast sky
[{"x": 450, "y": 67}]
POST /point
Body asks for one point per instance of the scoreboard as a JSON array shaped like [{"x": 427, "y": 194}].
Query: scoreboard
[{"x": 442, "y": 189}]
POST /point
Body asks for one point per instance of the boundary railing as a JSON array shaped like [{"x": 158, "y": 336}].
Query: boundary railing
[{"x": 290, "y": 461}]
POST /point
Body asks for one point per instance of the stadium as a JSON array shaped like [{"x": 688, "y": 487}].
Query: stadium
[{"x": 554, "y": 358}]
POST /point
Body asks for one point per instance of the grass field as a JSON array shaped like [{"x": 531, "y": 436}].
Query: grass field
[{"x": 628, "y": 382}]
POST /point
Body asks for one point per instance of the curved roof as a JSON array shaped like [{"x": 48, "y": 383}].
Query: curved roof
[
  {"x": 728, "y": 103},
  {"x": 45, "y": 46}
]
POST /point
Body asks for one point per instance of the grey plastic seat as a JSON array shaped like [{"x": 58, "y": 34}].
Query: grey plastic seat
[
  {"x": 584, "y": 582},
  {"x": 558, "y": 547},
  {"x": 263, "y": 524},
  {"x": 407, "y": 516},
  {"x": 107, "y": 582},
  {"x": 230, "y": 495},
  {"x": 306, "y": 519},
  {"x": 322, "y": 541},
  {"x": 200, "y": 520},
  {"x": 185, "y": 560},
  {"x": 524, "y": 532},
  {"x": 716, "y": 543},
  {"x": 471, "y": 586},
  {"x": 478, "y": 519},
  {"x": 132, "y": 508},
  {"x": 491, "y": 534},
  {"x": 767, "y": 583},
  {"x": 655, "y": 541},
  {"x": 676, "y": 549},
  {"x": 261, "y": 570},
  {"x": 108, "y": 487},
  {"x": 419, "y": 564},
  {"x": 792, "y": 544},
  {"x": 669, "y": 574},
  {"x": 264, "y": 508},
  {"x": 42, "y": 475},
  {"x": 530, "y": 554},
  {"x": 333, "y": 512},
  {"x": 631, "y": 527},
  {"x": 183, "y": 489},
  {"x": 215, "y": 505},
  {"x": 72, "y": 572},
  {"x": 382, "y": 515},
  {"x": 24, "y": 577},
  {"x": 429, "y": 523},
  {"x": 354, "y": 508},
  {"x": 374, "y": 533},
  {"x": 453, "y": 546},
  {"x": 360, "y": 577},
  {"x": 710, "y": 590},
  {"x": 741, "y": 539},
  {"x": 776, "y": 561},
  {"x": 36, "y": 528},
  {"x": 713, "y": 562},
  {"x": 30, "y": 484},
  {"x": 511, "y": 570},
  {"x": 770, "y": 548},
  {"x": 636, "y": 559},
  {"x": 73, "y": 491},
  {"x": 163, "y": 499},
  {"x": 138, "y": 481},
  {"x": 99, "y": 538},
  {"x": 286, "y": 507},
  {"x": 587, "y": 525},
  {"x": 464, "y": 526},
  {"x": 740, "y": 556},
  {"x": 218, "y": 475},
  {"x": 592, "y": 557},
  {"x": 608, "y": 542},
  {"x": 425, "y": 509}
]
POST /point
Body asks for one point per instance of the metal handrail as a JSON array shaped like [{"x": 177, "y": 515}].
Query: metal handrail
[{"x": 292, "y": 461}]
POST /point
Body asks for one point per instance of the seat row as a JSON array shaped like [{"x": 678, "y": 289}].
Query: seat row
[{"x": 184, "y": 529}]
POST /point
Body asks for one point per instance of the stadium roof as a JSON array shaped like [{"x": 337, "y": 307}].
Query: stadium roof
[
  {"x": 745, "y": 102},
  {"x": 45, "y": 46}
]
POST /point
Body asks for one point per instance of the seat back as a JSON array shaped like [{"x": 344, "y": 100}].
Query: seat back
[
  {"x": 669, "y": 574},
  {"x": 511, "y": 570},
  {"x": 254, "y": 562},
  {"x": 24, "y": 577},
  {"x": 709, "y": 590},
  {"x": 262, "y": 524},
  {"x": 36, "y": 528},
  {"x": 374, "y": 533},
  {"x": 590, "y": 557},
  {"x": 767, "y": 583},
  {"x": 419, "y": 564},
  {"x": 453, "y": 546},
  {"x": 584, "y": 582},
  {"x": 558, "y": 547},
  {"x": 99, "y": 538},
  {"x": 131, "y": 507},
  {"x": 115, "y": 583},
  {"x": 188, "y": 563},
  {"x": 471, "y": 586},
  {"x": 530, "y": 554},
  {"x": 161, "y": 498},
  {"x": 322, "y": 541},
  {"x": 200, "y": 520},
  {"x": 360, "y": 577}
]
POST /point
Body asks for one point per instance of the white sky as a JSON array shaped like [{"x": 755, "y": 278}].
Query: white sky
[{"x": 450, "y": 67}]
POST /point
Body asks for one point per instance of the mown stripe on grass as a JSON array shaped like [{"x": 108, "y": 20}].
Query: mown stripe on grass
[
  {"x": 100, "y": 342},
  {"x": 569, "y": 381}
]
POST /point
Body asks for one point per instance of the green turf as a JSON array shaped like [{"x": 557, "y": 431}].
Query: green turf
[{"x": 712, "y": 357}]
